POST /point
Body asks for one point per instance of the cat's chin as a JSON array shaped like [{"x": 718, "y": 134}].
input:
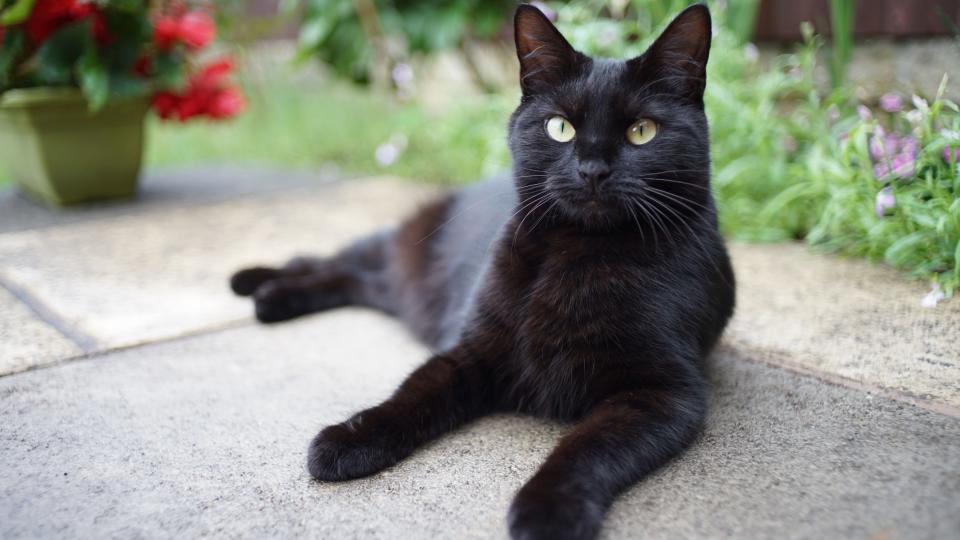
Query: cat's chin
[{"x": 591, "y": 212}]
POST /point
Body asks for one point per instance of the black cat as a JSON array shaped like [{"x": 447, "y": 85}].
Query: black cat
[{"x": 591, "y": 290}]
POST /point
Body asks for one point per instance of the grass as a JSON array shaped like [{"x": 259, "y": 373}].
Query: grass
[{"x": 333, "y": 123}]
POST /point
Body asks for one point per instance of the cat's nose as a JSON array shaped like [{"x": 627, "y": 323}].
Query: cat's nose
[{"x": 594, "y": 171}]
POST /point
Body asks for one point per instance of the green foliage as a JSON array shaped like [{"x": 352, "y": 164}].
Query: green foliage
[
  {"x": 841, "y": 29},
  {"x": 333, "y": 32}
]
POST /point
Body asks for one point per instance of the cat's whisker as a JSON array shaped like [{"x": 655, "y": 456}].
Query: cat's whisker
[
  {"x": 703, "y": 249},
  {"x": 678, "y": 198},
  {"x": 636, "y": 220},
  {"x": 543, "y": 200},
  {"x": 672, "y": 181}
]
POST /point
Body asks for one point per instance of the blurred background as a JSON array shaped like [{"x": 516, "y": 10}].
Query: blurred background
[{"x": 832, "y": 120}]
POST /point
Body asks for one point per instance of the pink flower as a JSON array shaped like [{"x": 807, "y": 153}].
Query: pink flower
[
  {"x": 885, "y": 201},
  {"x": 950, "y": 152},
  {"x": 864, "y": 113},
  {"x": 891, "y": 103}
]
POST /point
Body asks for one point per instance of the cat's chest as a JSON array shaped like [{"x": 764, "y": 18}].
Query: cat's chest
[{"x": 573, "y": 295}]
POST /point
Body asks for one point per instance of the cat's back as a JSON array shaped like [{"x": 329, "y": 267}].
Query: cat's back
[{"x": 445, "y": 251}]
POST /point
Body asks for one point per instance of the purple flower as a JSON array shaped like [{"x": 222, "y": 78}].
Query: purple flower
[
  {"x": 903, "y": 165},
  {"x": 885, "y": 201},
  {"x": 894, "y": 155},
  {"x": 891, "y": 103},
  {"x": 951, "y": 152},
  {"x": 864, "y": 113}
]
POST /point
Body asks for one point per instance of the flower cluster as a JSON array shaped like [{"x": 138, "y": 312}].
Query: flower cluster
[
  {"x": 50, "y": 15},
  {"x": 194, "y": 29},
  {"x": 895, "y": 155},
  {"x": 207, "y": 94}
]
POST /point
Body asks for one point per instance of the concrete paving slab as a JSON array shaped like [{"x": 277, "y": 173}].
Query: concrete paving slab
[
  {"x": 25, "y": 341},
  {"x": 132, "y": 279},
  {"x": 207, "y": 435},
  {"x": 848, "y": 318},
  {"x": 160, "y": 188}
]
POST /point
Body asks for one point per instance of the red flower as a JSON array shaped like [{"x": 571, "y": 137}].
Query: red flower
[
  {"x": 143, "y": 66},
  {"x": 48, "y": 16},
  {"x": 227, "y": 103},
  {"x": 165, "y": 103},
  {"x": 165, "y": 32},
  {"x": 207, "y": 94},
  {"x": 195, "y": 29}
]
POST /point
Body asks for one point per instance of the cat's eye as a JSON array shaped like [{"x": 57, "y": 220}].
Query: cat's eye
[
  {"x": 560, "y": 129},
  {"x": 642, "y": 131}
]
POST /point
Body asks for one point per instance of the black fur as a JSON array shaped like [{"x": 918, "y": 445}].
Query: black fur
[{"x": 590, "y": 289}]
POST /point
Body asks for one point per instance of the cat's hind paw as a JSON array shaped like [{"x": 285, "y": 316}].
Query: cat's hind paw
[{"x": 247, "y": 281}]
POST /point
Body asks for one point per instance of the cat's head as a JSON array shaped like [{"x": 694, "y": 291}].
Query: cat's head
[{"x": 610, "y": 143}]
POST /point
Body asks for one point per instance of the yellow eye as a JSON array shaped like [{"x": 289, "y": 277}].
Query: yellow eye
[
  {"x": 560, "y": 129},
  {"x": 642, "y": 131}
]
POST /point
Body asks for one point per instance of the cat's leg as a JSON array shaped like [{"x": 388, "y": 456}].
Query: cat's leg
[
  {"x": 355, "y": 276},
  {"x": 621, "y": 440},
  {"x": 447, "y": 391}
]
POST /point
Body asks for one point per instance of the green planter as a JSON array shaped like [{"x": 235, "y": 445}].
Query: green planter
[{"x": 60, "y": 153}]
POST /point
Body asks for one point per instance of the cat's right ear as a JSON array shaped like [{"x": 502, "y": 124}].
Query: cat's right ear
[{"x": 545, "y": 56}]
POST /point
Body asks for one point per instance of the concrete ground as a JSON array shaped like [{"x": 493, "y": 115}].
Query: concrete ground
[{"x": 139, "y": 399}]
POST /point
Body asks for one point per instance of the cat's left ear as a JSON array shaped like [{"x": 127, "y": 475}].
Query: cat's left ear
[
  {"x": 677, "y": 60},
  {"x": 546, "y": 58}
]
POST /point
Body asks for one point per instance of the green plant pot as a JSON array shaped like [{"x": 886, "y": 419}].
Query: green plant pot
[{"x": 60, "y": 153}]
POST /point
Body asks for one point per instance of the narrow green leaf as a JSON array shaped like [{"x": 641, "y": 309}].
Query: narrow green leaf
[
  {"x": 13, "y": 42},
  {"x": 17, "y": 13},
  {"x": 94, "y": 79}
]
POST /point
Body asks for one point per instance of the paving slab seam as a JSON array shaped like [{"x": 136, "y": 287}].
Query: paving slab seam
[
  {"x": 85, "y": 342},
  {"x": 780, "y": 360},
  {"x": 103, "y": 351}
]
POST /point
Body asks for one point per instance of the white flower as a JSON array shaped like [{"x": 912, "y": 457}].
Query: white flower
[
  {"x": 388, "y": 152},
  {"x": 951, "y": 135},
  {"x": 915, "y": 116},
  {"x": 920, "y": 104},
  {"x": 932, "y": 298},
  {"x": 751, "y": 52}
]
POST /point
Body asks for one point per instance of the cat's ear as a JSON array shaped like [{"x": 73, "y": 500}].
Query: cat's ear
[
  {"x": 677, "y": 60},
  {"x": 545, "y": 56}
]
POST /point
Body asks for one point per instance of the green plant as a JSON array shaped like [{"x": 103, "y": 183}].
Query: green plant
[
  {"x": 116, "y": 49},
  {"x": 841, "y": 27},
  {"x": 349, "y": 35}
]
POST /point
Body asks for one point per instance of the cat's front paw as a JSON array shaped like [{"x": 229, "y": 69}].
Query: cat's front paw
[
  {"x": 248, "y": 280},
  {"x": 342, "y": 452},
  {"x": 552, "y": 514}
]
